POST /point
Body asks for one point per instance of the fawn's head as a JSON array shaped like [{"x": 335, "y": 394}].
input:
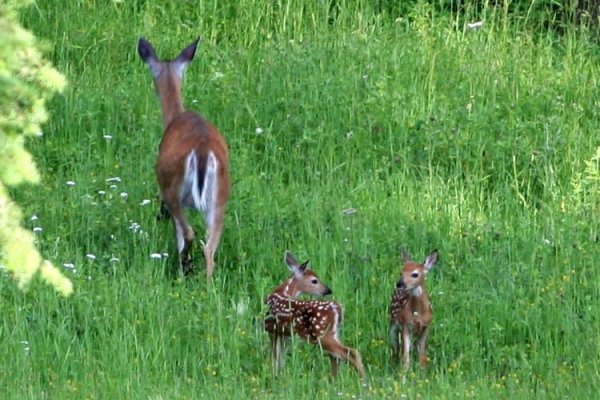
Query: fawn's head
[
  {"x": 413, "y": 274},
  {"x": 304, "y": 280},
  {"x": 166, "y": 73}
]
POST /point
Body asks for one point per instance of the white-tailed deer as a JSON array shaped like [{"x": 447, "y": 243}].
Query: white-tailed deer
[
  {"x": 411, "y": 310},
  {"x": 317, "y": 322},
  {"x": 192, "y": 166}
]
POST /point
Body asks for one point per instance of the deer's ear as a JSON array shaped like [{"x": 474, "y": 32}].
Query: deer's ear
[
  {"x": 406, "y": 256},
  {"x": 185, "y": 57},
  {"x": 148, "y": 55},
  {"x": 431, "y": 260},
  {"x": 290, "y": 260},
  {"x": 187, "y": 54},
  {"x": 302, "y": 267},
  {"x": 146, "y": 51}
]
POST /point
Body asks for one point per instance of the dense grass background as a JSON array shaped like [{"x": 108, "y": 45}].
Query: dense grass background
[{"x": 481, "y": 143}]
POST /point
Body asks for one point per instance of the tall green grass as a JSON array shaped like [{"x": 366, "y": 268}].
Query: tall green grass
[{"x": 480, "y": 143}]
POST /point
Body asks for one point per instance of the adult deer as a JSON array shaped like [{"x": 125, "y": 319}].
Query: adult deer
[
  {"x": 411, "y": 309},
  {"x": 317, "y": 322},
  {"x": 192, "y": 166}
]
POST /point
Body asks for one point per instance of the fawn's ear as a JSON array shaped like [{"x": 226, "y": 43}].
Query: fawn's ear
[
  {"x": 431, "y": 260},
  {"x": 291, "y": 261},
  {"x": 302, "y": 267},
  {"x": 406, "y": 256},
  {"x": 294, "y": 266}
]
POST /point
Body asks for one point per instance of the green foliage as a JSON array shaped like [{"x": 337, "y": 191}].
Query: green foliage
[
  {"x": 478, "y": 142},
  {"x": 26, "y": 81}
]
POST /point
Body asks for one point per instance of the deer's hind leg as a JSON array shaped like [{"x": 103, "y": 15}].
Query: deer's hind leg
[
  {"x": 213, "y": 202},
  {"x": 163, "y": 212},
  {"x": 278, "y": 351},
  {"x": 337, "y": 350}
]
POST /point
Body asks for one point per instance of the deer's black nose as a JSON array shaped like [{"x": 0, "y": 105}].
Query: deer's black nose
[
  {"x": 400, "y": 284},
  {"x": 327, "y": 291}
]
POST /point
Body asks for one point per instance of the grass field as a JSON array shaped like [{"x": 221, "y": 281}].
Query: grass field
[{"x": 481, "y": 143}]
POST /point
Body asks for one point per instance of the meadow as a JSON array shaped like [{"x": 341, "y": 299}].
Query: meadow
[{"x": 353, "y": 133}]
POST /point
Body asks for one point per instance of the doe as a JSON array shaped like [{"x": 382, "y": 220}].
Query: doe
[
  {"x": 192, "y": 167},
  {"x": 317, "y": 322},
  {"x": 411, "y": 309}
]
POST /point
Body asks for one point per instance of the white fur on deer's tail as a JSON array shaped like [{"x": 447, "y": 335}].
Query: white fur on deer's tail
[
  {"x": 210, "y": 190},
  {"x": 190, "y": 193}
]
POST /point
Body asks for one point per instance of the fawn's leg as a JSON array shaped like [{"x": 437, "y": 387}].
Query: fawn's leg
[
  {"x": 406, "y": 333},
  {"x": 335, "y": 365},
  {"x": 395, "y": 339},
  {"x": 276, "y": 352},
  {"x": 338, "y": 350},
  {"x": 422, "y": 347}
]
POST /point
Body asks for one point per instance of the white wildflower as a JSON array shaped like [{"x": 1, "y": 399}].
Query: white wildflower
[
  {"x": 349, "y": 211},
  {"x": 475, "y": 25}
]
